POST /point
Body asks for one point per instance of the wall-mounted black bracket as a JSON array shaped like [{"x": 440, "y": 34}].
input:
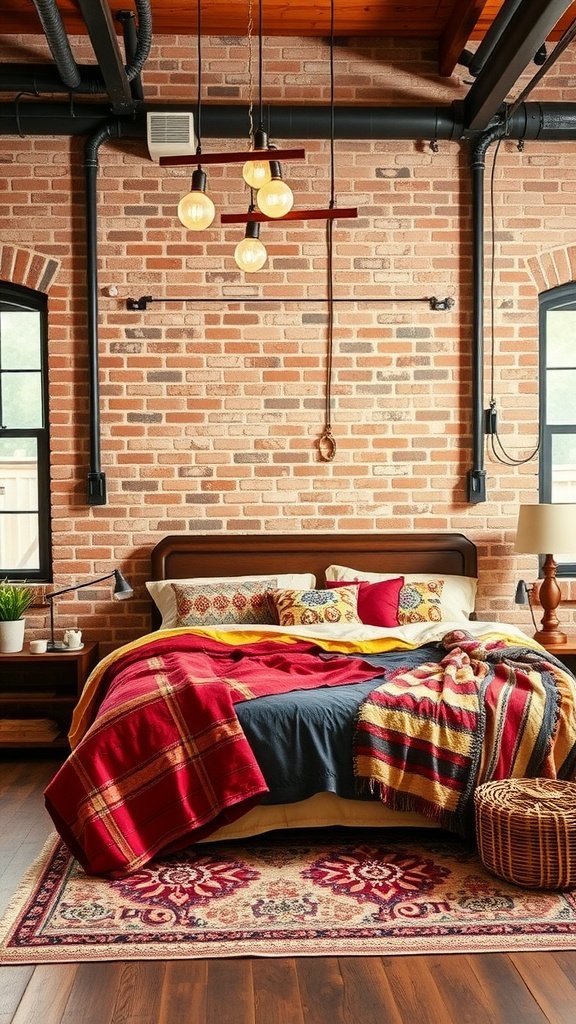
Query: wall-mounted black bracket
[
  {"x": 96, "y": 488},
  {"x": 440, "y": 305},
  {"x": 476, "y": 486}
]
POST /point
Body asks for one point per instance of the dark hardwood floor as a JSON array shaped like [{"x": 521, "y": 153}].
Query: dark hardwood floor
[{"x": 535, "y": 988}]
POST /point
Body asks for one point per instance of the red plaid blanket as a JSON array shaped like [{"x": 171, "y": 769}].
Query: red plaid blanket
[
  {"x": 428, "y": 736},
  {"x": 164, "y": 761}
]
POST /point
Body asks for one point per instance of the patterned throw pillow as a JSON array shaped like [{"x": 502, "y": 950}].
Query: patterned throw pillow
[
  {"x": 420, "y": 602},
  {"x": 311, "y": 607},
  {"x": 162, "y": 591},
  {"x": 223, "y": 603}
]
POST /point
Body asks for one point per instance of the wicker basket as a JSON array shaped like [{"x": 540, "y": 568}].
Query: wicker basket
[{"x": 526, "y": 831}]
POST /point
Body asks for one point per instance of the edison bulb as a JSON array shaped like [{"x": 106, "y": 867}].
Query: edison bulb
[
  {"x": 275, "y": 199},
  {"x": 196, "y": 211},
  {"x": 250, "y": 255},
  {"x": 256, "y": 173}
]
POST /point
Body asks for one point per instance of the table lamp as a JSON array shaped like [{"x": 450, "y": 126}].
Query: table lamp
[
  {"x": 540, "y": 530},
  {"x": 122, "y": 591}
]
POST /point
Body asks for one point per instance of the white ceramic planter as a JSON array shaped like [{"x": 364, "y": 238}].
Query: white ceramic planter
[{"x": 12, "y": 635}]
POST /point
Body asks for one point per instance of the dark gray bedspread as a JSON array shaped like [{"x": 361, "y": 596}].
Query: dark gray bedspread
[{"x": 303, "y": 739}]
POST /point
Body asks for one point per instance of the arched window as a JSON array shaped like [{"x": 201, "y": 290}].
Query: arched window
[
  {"x": 558, "y": 404},
  {"x": 24, "y": 440}
]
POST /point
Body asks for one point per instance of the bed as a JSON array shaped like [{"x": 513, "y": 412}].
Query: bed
[{"x": 300, "y": 737}]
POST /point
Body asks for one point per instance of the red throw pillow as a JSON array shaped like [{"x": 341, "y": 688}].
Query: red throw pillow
[{"x": 377, "y": 602}]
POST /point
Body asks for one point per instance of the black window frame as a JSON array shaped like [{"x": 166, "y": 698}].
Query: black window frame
[
  {"x": 18, "y": 297},
  {"x": 562, "y": 297}
]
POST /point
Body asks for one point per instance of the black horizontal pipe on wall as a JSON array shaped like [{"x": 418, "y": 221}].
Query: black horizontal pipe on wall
[{"x": 530, "y": 121}]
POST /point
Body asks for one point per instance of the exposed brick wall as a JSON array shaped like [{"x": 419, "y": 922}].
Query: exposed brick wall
[{"x": 211, "y": 411}]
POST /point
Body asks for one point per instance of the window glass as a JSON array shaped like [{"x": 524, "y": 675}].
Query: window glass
[
  {"x": 20, "y": 340},
  {"x": 561, "y": 395},
  {"x": 19, "y": 544},
  {"x": 18, "y": 474},
  {"x": 24, "y": 441},
  {"x": 21, "y": 400},
  {"x": 564, "y": 469}
]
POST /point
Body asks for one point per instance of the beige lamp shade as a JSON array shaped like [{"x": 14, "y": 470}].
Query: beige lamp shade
[{"x": 545, "y": 529}]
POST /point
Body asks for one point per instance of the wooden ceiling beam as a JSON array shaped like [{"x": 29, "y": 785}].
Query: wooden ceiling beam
[
  {"x": 458, "y": 30},
  {"x": 443, "y": 20},
  {"x": 414, "y": 19}
]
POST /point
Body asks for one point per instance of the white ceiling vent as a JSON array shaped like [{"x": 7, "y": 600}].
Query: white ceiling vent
[{"x": 170, "y": 133}]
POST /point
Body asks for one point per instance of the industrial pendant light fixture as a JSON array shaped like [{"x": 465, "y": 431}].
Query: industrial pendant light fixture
[
  {"x": 256, "y": 173},
  {"x": 274, "y": 197},
  {"x": 274, "y": 200},
  {"x": 196, "y": 210},
  {"x": 250, "y": 254}
]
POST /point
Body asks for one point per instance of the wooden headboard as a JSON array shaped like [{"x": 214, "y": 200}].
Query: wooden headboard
[{"x": 188, "y": 555}]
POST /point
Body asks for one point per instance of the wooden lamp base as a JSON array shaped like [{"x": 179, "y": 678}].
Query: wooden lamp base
[{"x": 549, "y": 596}]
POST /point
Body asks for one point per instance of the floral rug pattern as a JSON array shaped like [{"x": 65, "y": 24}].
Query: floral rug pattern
[{"x": 283, "y": 896}]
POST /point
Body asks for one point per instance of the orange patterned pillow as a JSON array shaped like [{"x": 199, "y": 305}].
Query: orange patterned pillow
[
  {"x": 420, "y": 602},
  {"x": 311, "y": 607}
]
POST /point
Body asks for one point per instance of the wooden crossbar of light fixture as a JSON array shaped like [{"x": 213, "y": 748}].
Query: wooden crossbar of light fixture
[
  {"x": 333, "y": 213},
  {"x": 232, "y": 158}
]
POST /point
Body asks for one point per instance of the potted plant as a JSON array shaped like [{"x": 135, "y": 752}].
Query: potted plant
[{"x": 15, "y": 599}]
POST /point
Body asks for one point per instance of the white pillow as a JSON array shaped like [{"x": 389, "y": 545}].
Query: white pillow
[
  {"x": 458, "y": 594},
  {"x": 162, "y": 593}
]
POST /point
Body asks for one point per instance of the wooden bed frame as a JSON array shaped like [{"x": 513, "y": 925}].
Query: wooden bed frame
[{"x": 187, "y": 555}]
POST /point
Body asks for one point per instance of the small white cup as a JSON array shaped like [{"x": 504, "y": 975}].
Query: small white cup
[{"x": 38, "y": 646}]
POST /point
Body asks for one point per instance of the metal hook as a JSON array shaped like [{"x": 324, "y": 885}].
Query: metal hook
[{"x": 327, "y": 445}]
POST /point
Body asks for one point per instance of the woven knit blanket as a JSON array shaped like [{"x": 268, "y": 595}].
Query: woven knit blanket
[{"x": 428, "y": 736}]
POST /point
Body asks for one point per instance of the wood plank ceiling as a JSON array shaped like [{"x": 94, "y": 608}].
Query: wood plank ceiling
[{"x": 451, "y": 23}]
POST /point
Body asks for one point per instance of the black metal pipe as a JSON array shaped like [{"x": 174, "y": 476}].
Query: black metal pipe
[
  {"x": 143, "y": 40},
  {"x": 544, "y": 122},
  {"x": 492, "y": 36},
  {"x": 230, "y": 121},
  {"x": 96, "y": 478},
  {"x": 130, "y": 36},
  {"x": 477, "y": 474}
]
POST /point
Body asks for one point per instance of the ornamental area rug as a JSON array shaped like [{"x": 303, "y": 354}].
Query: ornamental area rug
[{"x": 283, "y": 895}]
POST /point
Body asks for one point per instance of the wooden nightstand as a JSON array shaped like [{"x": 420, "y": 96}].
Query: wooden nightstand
[
  {"x": 38, "y": 693},
  {"x": 565, "y": 652}
]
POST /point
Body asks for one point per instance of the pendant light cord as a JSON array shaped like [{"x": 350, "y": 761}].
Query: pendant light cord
[
  {"x": 251, "y": 133},
  {"x": 327, "y": 442},
  {"x": 199, "y": 76},
  {"x": 250, "y": 77},
  {"x": 260, "y": 65}
]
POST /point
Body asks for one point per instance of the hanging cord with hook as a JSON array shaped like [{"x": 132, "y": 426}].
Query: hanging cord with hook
[{"x": 327, "y": 442}]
